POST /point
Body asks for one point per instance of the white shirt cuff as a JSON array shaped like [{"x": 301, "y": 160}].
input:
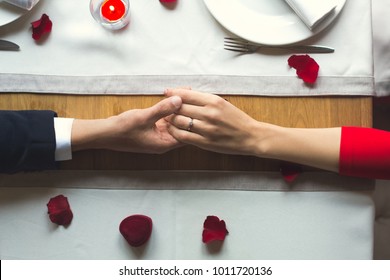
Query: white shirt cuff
[{"x": 63, "y": 131}]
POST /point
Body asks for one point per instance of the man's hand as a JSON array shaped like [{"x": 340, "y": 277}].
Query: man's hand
[{"x": 139, "y": 130}]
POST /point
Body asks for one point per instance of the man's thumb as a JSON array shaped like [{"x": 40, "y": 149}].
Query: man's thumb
[{"x": 165, "y": 108}]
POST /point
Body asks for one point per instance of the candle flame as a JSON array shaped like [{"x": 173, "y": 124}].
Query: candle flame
[{"x": 113, "y": 10}]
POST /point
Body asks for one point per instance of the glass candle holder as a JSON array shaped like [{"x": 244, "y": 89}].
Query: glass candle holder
[{"x": 111, "y": 14}]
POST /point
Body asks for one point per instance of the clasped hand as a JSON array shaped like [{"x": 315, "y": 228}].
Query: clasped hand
[
  {"x": 208, "y": 122},
  {"x": 215, "y": 125}
]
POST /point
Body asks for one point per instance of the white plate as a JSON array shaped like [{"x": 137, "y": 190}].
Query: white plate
[
  {"x": 9, "y": 13},
  {"x": 270, "y": 22}
]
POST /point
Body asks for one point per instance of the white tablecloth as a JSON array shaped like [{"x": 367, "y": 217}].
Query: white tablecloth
[
  {"x": 381, "y": 43},
  {"x": 319, "y": 216},
  {"x": 174, "y": 47}
]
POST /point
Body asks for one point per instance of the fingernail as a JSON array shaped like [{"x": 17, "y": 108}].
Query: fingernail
[{"x": 176, "y": 101}]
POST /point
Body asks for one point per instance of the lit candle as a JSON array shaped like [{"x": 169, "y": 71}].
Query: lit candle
[{"x": 113, "y": 10}]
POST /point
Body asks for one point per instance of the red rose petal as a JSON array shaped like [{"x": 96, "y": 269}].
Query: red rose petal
[
  {"x": 307, "y": 68},
  {"x": 290, "y": 171},
  {"x": 59, "y": 210},
  {"x": 136, "y": 229},
  {"x": 213, "y": 229},
  {"x": 41, "y": 26}
]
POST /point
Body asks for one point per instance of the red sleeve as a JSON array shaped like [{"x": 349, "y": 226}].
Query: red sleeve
[{"x": 365, "y": 152}]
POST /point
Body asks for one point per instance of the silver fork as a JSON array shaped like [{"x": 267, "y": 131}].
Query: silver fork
[{"x": 243, "y": 46}]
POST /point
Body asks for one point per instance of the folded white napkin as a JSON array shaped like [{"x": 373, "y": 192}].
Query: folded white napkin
[
  {"x": 24, "y": 4},
  {"x": 312, "y": 12}
]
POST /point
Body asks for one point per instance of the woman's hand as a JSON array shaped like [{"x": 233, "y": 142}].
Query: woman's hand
[{"x": 212, "y": 123}]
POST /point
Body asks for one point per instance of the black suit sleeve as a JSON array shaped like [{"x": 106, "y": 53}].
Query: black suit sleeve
[{"x": 27, "y": 141}]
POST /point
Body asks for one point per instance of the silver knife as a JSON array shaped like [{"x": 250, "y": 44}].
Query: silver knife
[{"x": 8, "y": 46}]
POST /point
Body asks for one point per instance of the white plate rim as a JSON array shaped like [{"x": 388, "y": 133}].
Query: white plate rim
[
  {"x": 226, "y": 19},
  {"x": 10, "y": 13}
]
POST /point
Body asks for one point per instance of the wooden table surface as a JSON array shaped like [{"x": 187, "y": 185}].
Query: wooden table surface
[{"x": 292, "y": 111}]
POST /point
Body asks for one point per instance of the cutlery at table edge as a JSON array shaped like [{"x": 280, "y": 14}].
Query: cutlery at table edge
[
  {"x": 243, "y": 46},
  {"x": 8, "y": 46}
]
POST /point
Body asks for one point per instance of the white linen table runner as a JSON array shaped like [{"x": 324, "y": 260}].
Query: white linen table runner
[
  {"x": 182, "y": 46},
  {"x": 319, "y": 216}
]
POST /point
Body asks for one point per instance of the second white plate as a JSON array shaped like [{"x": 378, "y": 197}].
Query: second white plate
[{"x": 269, "y": 22}]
